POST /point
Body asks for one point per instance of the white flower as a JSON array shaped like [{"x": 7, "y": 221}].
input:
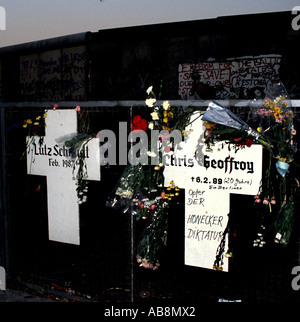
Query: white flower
[
  {"x": 149, "y": 90},
  {"x": 151, "y": 154},
  {"x": 150, "y": 102},
  {"x": 151, "y": 126},
  {"x": 124, "y": 193},
  {"x": 154, "y": 116},
  {"x": 165, "y": 105}
]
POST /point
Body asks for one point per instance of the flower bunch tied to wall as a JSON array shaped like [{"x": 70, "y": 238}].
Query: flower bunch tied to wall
[
  {"x": 276, "y": 132},
  {"x": 142, "y": 190},
  {"x": 276, "y": 196}
]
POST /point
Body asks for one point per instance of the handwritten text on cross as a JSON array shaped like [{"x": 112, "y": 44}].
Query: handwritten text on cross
[{"x": 209, "y": 177}]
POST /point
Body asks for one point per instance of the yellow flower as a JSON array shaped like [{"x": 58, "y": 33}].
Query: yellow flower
[
  {"x": 36, "y": 123},
  {"x": 170, "y": 115},
  {"x": 277, "y": 111},
  {"x": 45, "y": 115},
  {"x": 259, "y": 129},
  {"x": 228, "y": 254},
  {"x": 165, "y": 120},
  {"x": 38, "y": 118},
  {"x": 28, "y": 121},
  {"x": 25, "y": 125},
  {"x": 172, "y": 182}
]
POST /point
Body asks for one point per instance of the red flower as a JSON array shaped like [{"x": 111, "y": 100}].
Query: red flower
[
  {"x": 249, "y": 143},
  {"x": 138, "y": 124}
]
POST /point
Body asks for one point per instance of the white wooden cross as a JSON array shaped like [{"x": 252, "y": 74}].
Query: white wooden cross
[
  {"x": 53, "y": 161},
  {"x": 209, "y": 177}
]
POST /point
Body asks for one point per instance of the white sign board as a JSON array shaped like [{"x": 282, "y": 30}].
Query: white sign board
[
  {"x": 209, "y": 177},
  {"x": 53, "y": 161}
]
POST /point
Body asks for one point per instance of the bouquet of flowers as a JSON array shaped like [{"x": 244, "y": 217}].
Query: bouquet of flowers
[
  {"x": 276, "y": 124},
  {"x": 276, "y": 133},
  {"x": 141, "y": 190}
]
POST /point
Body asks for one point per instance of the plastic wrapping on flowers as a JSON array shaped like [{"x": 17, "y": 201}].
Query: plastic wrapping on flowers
[{"x": 274, "y": 202}]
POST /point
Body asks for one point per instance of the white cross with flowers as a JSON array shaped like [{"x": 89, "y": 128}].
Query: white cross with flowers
[
  {"x": 53, "y": 160},
  {"x": 209, "y": 177}
]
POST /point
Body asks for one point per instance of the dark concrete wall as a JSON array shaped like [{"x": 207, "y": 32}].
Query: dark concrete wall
[{"x": 121, "y": 63}]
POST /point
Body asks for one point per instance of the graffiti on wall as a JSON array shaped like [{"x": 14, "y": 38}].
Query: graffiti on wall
[
  {"x": 50, "y": 75},
  {"x": 74, "y": 73},
  {"x": 234, "y": 78},
  {"x": 54, "y": 75},
  {"x": 29, "y": 69}
]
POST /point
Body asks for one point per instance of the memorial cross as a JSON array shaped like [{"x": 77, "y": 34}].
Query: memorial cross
[
  {"x": 53, "y": 160},
  {"x": 209, "y": 177}
]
